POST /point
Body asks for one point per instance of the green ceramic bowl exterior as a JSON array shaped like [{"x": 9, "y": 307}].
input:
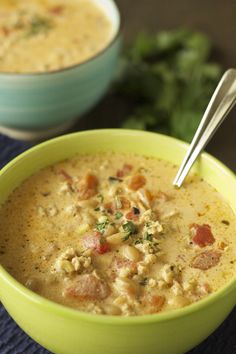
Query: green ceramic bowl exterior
[
  {"x": 66, "y": 331},
  {"x": 39, "y": 101}
]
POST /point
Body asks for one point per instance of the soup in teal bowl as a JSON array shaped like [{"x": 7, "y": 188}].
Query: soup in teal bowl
[
  {"x": 42, "y": 84},
  {"x": 68, "y": 331}
]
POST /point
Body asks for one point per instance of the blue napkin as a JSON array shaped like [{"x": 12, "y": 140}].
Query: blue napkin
[
  {"x": 10, "y": 148},
  {"x": 14, "y": 341}
]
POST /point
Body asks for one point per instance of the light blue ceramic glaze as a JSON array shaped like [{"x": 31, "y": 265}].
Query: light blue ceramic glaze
[{"x": 39, "y": 101}]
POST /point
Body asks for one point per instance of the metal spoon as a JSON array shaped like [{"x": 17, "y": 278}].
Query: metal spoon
[{"x": 222, "y": 101}]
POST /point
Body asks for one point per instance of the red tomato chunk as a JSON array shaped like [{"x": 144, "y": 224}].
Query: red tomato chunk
[
  {"x": 137, "y": 182},
  {"x": 88, "y": 187},
  {"x": 131, "y": 215},
  {"x": 202, "y": 235},
  {"x": 96, "y": 242},
  {"x": 124, "y": 171}
]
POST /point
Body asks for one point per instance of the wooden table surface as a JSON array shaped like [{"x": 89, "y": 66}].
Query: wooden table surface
[{"x": 216, "y": 18}]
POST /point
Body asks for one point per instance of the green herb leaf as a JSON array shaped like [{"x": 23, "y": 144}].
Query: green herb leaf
[
  {"x": 130, "y": 228},
  {"x": 148, "y": 237},
  {"x": 38, "y": 25},
  {"x": 167, "y": 81},
  {"x": 118, "y": 215},
  {"x": 138, "y": 241},
  {"x": 101, "y": 226}
]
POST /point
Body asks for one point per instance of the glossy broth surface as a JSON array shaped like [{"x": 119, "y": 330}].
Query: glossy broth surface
[
  {"x": 47, "y": 35},
  {"x": 109, "y": 234}
]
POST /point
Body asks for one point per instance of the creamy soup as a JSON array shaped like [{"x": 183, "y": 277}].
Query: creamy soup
[
  {"x": 45, "y": 35},
  {"x": 109, "y": 234}
]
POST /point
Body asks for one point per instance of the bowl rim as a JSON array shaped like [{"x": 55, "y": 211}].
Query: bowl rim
[
  {"x": 64, "y": 311},
  {"x": 98, "y": 54}
]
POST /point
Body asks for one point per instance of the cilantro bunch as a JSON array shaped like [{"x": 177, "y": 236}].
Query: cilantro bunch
[{"x": 169, "y": 80}]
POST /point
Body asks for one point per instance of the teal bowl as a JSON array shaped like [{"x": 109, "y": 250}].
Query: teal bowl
[{"x": 51, "y": 99}]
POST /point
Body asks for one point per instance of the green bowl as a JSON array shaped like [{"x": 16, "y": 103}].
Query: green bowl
[
  {"x": 67, "y": 331},
  {"x": 47, "y": 100}
]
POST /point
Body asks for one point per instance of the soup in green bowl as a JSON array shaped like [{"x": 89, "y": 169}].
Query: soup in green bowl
[{"x": 95, "y": 242}]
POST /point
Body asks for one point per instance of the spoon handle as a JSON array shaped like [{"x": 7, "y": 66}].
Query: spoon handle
[{"x": 222, "y": 101}]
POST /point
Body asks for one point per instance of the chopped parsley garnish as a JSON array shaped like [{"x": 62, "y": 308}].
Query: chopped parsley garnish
[
  {"x": 101, "y": 226},
  {"x": 136, "y": 211},
  {"x": 138, "y": 241},
  {"x": 130, "y": 228},
  {"x": 114, "y": 179},
  {"x": 38, "y": 25},
  {"x": 118, "y": 215},
  {"x": 97, "y": 209},
  {"x": 148, "y": 237}
]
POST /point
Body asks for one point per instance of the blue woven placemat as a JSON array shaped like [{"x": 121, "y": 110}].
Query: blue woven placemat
[{"x": 14, "y": 341}]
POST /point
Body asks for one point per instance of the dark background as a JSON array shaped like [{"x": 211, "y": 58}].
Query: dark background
[{"x": 217, "y": 18}]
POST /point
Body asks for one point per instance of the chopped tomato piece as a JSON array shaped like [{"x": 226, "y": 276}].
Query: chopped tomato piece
[
  {"x": 91, "y": 181},
  {"x": 153, "y": 303},
  {"x": 88, "y": 187},
  {"x": 103, "y": 247},
  {"x": 88, "y": 286},
  {"x": 132, "y": 215},
  {"x": 56, "y": 10},
  {"x": 124, "y": 171},
  {"x": 96, "y": 242},
  {"x": 206, "y": 260},
  {"x": 201, "y": 235},
  {"x": 137, "y": 182}
]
